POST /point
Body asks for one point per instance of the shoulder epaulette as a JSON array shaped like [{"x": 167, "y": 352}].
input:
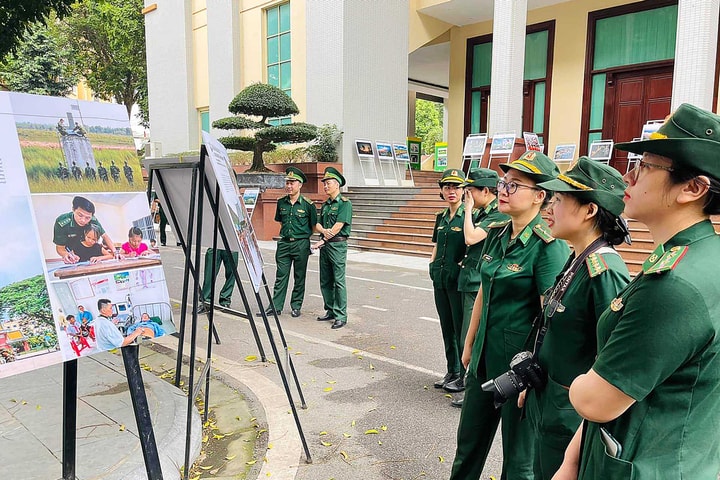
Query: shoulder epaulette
[
  {"x": 65, "y": 221},
  {"x": 440, "y": 212},
  {"x": 500, "y": 223},
  {"x": 669, "y": 260},
  {"x": 307, "y": 200},
  {"x": 343, "y": 199},
  {"x": 543, "y": 232},
  {"x": 595, "y": 264}
]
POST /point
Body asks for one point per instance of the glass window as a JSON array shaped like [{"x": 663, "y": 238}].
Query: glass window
[
  {"x": 278, "y": 47},
  {"x": 482, "y": 64},
  {"x": 284, "y": 47},
  {"x": 205, "y": 121},
  {"x": 273, "y": 52},
  {"x": 536, "y": 50}
]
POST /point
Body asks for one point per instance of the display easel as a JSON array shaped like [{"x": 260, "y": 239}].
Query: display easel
[
  {"x": 205, "y": 197},
  {"x": 501, "y": 147},
  {"x": 386, "y": 159},
  {"x": 473, "y": 151},
  {"x": 367, "y": 162}
]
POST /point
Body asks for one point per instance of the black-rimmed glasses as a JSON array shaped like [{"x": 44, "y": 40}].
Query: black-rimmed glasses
[{"x": 512, "y": 187}]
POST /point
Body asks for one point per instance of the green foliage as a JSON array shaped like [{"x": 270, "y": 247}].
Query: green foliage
[
  {"x": 263, "y": 100},
  {"x": 108, "y": 37},
  {"x": 428, "y": 123},
  {"x": 29, "y": 298},
  {"x": 294, "y": 133},
  {"x": 237, "y": 123},
  {"x": 40, "y": 64},
  {"x": 19, "y": 16},
  {"x": 325, "y": 146}
]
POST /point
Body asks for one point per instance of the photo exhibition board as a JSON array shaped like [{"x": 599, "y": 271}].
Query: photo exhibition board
[
  {"x": 72, "y": 201},
  {"x": 475, "y": 145},
  {"x": 233, "y": 213}
]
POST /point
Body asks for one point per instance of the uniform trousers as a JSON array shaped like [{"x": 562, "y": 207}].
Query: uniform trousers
[
  {"x": 333, "y": 259},
  {"x": 229, "y": 261},
  {"x": 291, "y": 254},
  {"x": 448, "y": 302}
]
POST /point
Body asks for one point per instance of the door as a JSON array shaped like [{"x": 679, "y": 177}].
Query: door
[{"x": 631, "y": 99}]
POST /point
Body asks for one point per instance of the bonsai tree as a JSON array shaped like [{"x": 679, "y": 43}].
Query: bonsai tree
[
  {"x": 264, "y": 101},
  {"x": 325, "y": 146}
]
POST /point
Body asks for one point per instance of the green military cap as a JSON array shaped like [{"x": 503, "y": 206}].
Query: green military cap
[
  {"x": 594, "y": 181},
  {"x": 482, "y": 177},
  {"x": 331, "y": 172},
  {"x": 294, "y": 173},
  {"x": 690, "y": 137},
  {"x": 452, "y": 175},
  {"x": 536, "y": 164}
]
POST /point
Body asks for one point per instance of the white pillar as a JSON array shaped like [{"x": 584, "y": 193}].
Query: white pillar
[
  {"x": 168, "y": 40},
  {"x": 223, "y": 30},
  {"x": 412, "y": 98},
  {"x": 695, "y": 53},
  {"x": 508, "y": 63}
]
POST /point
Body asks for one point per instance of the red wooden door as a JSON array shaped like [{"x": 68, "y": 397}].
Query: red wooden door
[{"x": 631, "y": 99}]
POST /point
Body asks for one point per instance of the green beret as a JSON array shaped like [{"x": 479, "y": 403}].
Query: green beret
[
  {"x": 536, "y": 164},
  {"x": 690, "y": 137},
  {"x": 452, "y": 175},
  {"x": 332, "y": 173},
  {"x": 593, "y": 181},
  {"x": 482, "y": 177},
  {"x": 294, "y": 173}
]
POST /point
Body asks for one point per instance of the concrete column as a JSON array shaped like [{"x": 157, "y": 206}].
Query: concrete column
[
  {"x": 508, "y": 63},
  {"x": 223, "y": 27},
  {"x": 168, "y": 40},
  {"x": 695, "y": 53},
  {"x": 411, "y": 113}
]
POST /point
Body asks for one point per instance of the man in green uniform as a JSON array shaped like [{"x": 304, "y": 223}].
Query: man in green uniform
[
  {"x": 70, "y": 226},
  {"x": 481, "y": 199},
  {"x": 298, "y": 217},
  {"x": 229, "y": 261},
  {"x": 334, "y": 226}
]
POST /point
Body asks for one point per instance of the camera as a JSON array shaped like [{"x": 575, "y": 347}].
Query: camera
[{"x": 524, "y": 373}]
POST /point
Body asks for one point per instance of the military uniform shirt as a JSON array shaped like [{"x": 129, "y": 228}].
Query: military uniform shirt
[
  {"x": 297, "y": 220},
  {"x": 659, "y": 343},
  {"x": 66, "y": 229},
  {"x": 514, "y": 274},
  {"x": 450, "y": 248},
  {"x": 338, "y": 210},
  {"x": 469, "y": 280}
]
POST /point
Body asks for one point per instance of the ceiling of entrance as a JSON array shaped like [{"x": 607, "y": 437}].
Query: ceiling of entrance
[
  {"x": 430, "y": 65},
  {"x": 466, "y": 12}
]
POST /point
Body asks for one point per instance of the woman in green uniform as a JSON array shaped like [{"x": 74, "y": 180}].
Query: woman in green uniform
[
  {"x": 585, "y": 211},
  {"x": 445, "y": 267},
  {"x": 520, "y": 261},
  {"x": 481, "y": 199},
  {"x": 652, "y": 397}
]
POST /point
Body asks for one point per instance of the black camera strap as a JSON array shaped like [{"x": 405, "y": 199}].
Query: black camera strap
[{"x": 552, "y": 301}]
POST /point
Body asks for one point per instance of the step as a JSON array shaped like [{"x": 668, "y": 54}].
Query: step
[
  {"x": 427, "y": 216},
  {"x": 394, "y": 244},
  {"x": 401, "y": 237},
  {"x": 393, "y": 227},
  {"x": 393, "y": 250},
  {"x": 410, "y": 222}
]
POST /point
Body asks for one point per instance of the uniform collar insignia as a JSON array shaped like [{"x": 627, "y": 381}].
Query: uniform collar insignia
[{"x": 616, "y": 305}]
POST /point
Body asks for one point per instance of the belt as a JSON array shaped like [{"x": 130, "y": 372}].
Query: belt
[
  {"x": 291, "y": 239},
  {"x": 336, "y": 238}
]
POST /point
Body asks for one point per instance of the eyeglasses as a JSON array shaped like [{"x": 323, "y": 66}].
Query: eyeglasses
[
  {"x": 643, "y": 164},
  {"x": 512, "y": 187}
]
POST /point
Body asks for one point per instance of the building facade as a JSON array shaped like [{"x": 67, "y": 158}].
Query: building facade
[{"x": 571, "y": 71}]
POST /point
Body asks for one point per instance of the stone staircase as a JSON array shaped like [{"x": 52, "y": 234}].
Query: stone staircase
[{"x": 401, "y": 220}]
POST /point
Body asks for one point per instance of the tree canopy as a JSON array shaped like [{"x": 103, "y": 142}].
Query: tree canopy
[
  {"x": 264, "y": 101},
  {"x": 428, "y": 123},
  {"x": 18, "y": 17},
  {"x": 27, "y": 297},
  {"x": 108, "y": 37}
]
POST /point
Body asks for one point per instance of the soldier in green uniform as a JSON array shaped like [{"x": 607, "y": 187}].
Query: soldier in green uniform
[
  {"x": 585, "y": 212},
  {"x": 520, "y": 261},
  {"x": 298, "y": 217},
  {"x": 652, "y": 397},
  {"x": 229, "y": 261},
  {"x": 447, "y": 254},
  {"x": 70, "y": 227},
  {"x": 481, "y": 199},
  {"x": 334, "y": 227}
]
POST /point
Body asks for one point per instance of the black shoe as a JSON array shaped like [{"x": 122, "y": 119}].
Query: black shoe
[
  {"x": 163, "y": 245},
  {"x": 456, "y": 386},
  {"x": 178, "y": 244},
  {"x": 326, "y": 317},
  {"x": 225, "y": 304},
  {"x": 449, "y": 377},
  {"x": 295, "y": 312},
  {"x": 201, "y": 309},
  {"x": 338, "y": 324},
  {"x": 457, "y": 401},
  {"x": 269, "y": 312}
]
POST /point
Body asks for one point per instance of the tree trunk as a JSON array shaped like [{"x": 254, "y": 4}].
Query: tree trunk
[{"x": 257, "y": 164}]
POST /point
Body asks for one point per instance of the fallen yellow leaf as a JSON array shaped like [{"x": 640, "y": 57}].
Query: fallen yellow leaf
[
  {"x": 383, "y": 428},
  {"x": 323, "y": 432},
  {"x": 332, "y": 382},
  {"x": 372, "y": 431},
  {"x": 326, "y": 444},
  {"x": 251, "y": 358},
  {"x": 122, "y": 428},
  {"x": 327, "y": 389},
  {"x": 230, "y": 457},
  {"x": 344, "y": 455},
  {"x": 347, "y": 435},
  {"x": 392, "y": 347},
  {"x": 441, "y": 459},
  {"x": 251, "y": 462},
  {"x": 202, "y": 467}
]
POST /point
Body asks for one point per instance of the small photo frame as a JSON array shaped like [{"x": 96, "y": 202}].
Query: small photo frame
[
  {"x": 634, "y": 156},
  {"x": 564, "y": 152},
  {"x": 532, "y": 142},
  {"x": 649, "y": 128},
  {"x": 601, "y": 150},
  {"x": 364, "y": 148},
  {"x": 475, "y": 145},
  {"x": 401, "y": 152},
  {"x": 502, "y": 143},
  {"x": 384, "y": 150}
]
